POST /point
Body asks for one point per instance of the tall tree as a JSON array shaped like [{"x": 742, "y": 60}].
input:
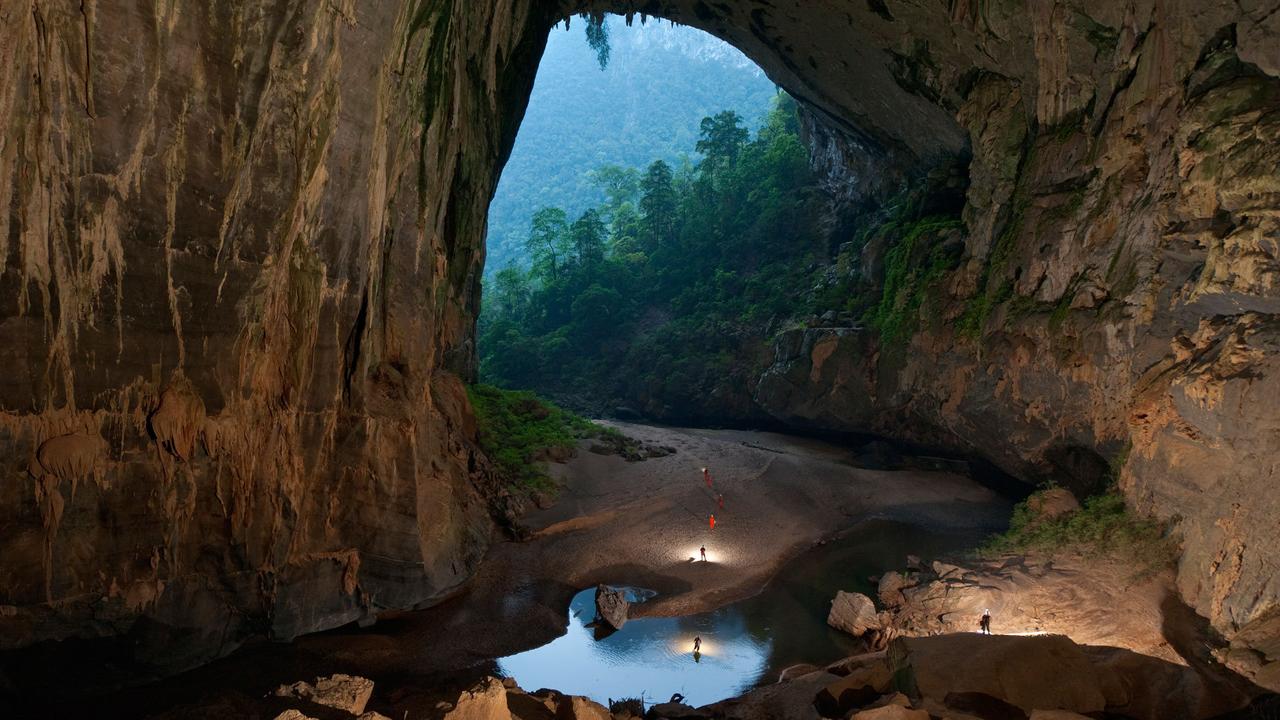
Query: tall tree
[
  {"x": 510, "y": 291},
  {"x": 658, "y": 203},
  {"x": 548, "y": 243},
  {"x": 588, "y": 235},
  {"x": 722, "y": 137},
  {"x": 620, "y": 185}
]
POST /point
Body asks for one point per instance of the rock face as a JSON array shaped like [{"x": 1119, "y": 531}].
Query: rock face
[
  {"x": 971, "y": 672},
  {"x": 1048, "y": 672},
  {"x": 242, "y": 248},
  {"x": 1097, "y": 601},
  {"x": 612, "y": 606},
  {"x": 486, "y": 701}
]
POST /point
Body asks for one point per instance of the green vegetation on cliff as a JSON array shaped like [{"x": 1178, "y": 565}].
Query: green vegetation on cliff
[
  {"x": 520, "y": 431},
  {"x": 1102, "y": 525}
]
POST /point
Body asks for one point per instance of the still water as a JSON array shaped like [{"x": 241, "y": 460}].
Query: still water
[{"x": 744, "y": 644}]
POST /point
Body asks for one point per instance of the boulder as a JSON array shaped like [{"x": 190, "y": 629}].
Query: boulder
[
  {"x": 891, "y": 586},
  {"x": 611, "y": 606},
  {"x": 896, "y": 698},
  {"x": 343, "y": 692},
  {"x": 984, "y": 706},
  {"x": 849, "y": 665},
  {"x": 795, "y": 671},
  {"x": 861, "y": 687},
  {"x": 853, "y": 613},
  {"x": 779, "y": 701},
  {"x": 292, "y": 714},
  {"x": 528, "y": 707},
  {"x": 1052, "y": 504},
  {"x": 1057, "y": 715},
  {"x": 1039, "y": 672},
  {"x": 946, "y": 570},
  {"x": 891, "y": 712},
  {"x": 486, "y": 700},
  {"x": 576, "y": 707}
]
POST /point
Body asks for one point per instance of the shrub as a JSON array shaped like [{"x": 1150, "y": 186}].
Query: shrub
[
  {"x": 1103, "y": 525},
  {"x": 517, "y": 428}
]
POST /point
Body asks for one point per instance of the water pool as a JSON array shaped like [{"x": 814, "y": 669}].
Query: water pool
[{"x": 744, "y": 644}]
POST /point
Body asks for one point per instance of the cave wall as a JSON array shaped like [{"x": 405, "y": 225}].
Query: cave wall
[
  {"x": 1122, "y": 228},
  {"x": 1115, "y": 313},
  {"x": 242, "y": 249},
  {"x": 242, "y": 244}
]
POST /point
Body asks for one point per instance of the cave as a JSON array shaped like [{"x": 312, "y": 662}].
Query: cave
[{"x": 243, "y": 253}]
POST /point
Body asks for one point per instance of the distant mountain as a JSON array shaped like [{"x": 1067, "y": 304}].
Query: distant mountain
[{"x": 661, "y": 81}]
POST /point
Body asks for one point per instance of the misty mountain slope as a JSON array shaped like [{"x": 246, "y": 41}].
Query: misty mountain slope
[{"x": 660, "y": 82}]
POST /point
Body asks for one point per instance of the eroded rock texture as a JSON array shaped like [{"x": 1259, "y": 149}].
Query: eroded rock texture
[
  {"x": 242, "y": 244},
  {"x": 1114, "y": 311}
]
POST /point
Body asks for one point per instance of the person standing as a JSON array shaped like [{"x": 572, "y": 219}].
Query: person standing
[
  {"x": 703, "y": 550},
  {"x": 985, "y": 622},
  {"x": 697, "y": 644},
  {"x": 706, "y": 475},
  {"x": 713, "y": 521},
  {"x": 720, "y": 501}
]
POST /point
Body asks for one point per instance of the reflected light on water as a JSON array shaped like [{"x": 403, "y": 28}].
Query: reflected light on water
[
  {"x": 742, "y": 644},
  {"x": 683, "y": 644},
  {"x": 653, "y": 656}
]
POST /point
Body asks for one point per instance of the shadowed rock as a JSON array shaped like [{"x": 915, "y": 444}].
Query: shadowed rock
[{"x": 612, "y": 606}]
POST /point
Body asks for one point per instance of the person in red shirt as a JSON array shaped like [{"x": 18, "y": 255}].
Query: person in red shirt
[
  {"x": 713, "y": 522},
  {"x": 720, "y": 500},
  {"x": 706, "y": 475}
]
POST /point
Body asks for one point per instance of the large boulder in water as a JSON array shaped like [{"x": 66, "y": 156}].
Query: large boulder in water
[
  {"x": 611, "y": 606},
  {"x": 853, "y": 613}
]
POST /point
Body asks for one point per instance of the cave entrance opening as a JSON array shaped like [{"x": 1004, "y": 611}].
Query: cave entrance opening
[{"x": 655, "y": 211}]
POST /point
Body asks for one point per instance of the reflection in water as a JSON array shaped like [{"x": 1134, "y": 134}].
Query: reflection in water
[
  {"x": 653, "y": 656},
  {"x": 744, "y": 644}
]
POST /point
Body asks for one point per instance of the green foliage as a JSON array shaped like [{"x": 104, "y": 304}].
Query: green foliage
[
  {"x": 994, "y": 285},
  {"x": 691, "y": 258},
  {"x": 661, "y": 80},
  {"x": 912, "y": 266},
  {"x": 518, "y": 428},
  {"x": 598, "y": 38},
  {"x": 1103, "y": 525}
]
